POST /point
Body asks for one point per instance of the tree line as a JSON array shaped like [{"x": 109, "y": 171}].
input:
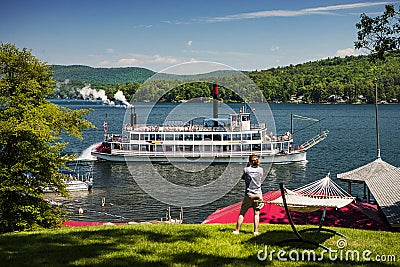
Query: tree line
[{"x": 350, "y": 79}]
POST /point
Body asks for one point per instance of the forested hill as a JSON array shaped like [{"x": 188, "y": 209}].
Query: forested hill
[
  {"x": 350, "y": 79},
  {"x": 346, "y": 78},
  {"x": 101, "y": 75}
]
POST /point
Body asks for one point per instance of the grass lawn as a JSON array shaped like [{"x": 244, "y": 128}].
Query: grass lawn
[{"x": 189, "y": 245}]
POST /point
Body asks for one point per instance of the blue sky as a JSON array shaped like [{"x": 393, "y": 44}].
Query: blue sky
[{"x": 245, "y": 35}]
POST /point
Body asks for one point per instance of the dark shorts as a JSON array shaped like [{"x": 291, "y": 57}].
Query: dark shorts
[{"x": 254, "y": 201}]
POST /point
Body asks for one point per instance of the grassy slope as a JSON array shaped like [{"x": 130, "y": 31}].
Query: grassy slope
[{"x": 175, "y": 245}]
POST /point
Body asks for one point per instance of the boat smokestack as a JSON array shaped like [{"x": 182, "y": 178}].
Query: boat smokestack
[
  {"x": 215, "y": 100},
  {"x": 133, "y": 116}
]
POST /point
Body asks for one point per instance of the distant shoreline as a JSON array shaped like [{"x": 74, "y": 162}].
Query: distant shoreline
[{"x": 100, "y": 102}]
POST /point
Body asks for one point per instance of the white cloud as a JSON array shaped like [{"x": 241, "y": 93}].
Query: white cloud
[
  {"x": 161, "y": 59},
  {"x": 147, "y": 26},
  {"x": 189, "y": 43},
  {"x": 127, "y": 61},
  {"x": 346, "y": 52},
  {"x": 217, "y": 52},
  {"x": 154, "y": 62},
  {"x": 104, "y": 63},
  {"x": 327, "y": 10},
  {"x": 274, "y": 48}
]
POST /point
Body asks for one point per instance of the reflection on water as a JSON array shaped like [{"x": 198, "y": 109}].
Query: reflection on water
[
  {"x": 291, "y": 174},
  {"x": 126, "y": 201},
  {"x": 178, "y": 175}
]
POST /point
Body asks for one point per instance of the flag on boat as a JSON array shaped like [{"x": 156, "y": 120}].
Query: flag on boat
[{"x": 105, "y": 126}]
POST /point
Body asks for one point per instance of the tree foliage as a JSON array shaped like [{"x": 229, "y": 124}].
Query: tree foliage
[
  {"x": 101, "y": 75},
  {"x": 381, "y": 34},
  {"x": 30, "y": 145}
]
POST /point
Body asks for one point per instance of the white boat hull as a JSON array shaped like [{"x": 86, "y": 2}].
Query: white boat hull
[
  {"x": 269, "y": 158},
  {"x": 73, "y": 186}
]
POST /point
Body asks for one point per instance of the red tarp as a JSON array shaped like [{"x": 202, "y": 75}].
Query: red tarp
[{"x": 355, "y": 215}]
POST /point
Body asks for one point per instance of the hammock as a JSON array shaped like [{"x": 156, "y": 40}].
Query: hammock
[
  {"x": 323, "y": 193},
  {"x": 314, "y": 196}
]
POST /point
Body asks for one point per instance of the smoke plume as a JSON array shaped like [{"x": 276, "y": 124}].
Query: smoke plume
[
  {"x": 120, "y": 96},
  {"x": 89, "y": 93}
]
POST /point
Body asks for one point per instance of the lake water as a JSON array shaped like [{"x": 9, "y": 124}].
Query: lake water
[{"x": 350, "y": 144}]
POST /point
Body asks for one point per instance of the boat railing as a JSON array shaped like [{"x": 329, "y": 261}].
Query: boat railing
[
  {"x": 193, "y": 154},
  {"x": 187, "y": 128},
  {"x": 314, "y": 140},
  {"x": 116, "y": 138},
  {"x": 287, "y": 137},
  {"x": 257, "y": 126},
  {"x": 177, "y": 128}
]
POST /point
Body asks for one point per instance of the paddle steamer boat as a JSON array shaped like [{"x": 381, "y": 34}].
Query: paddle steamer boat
[{"x": 217, "y": 140}]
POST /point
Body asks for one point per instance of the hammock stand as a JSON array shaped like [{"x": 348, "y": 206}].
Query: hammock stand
[{"x": 303, "y": 207}]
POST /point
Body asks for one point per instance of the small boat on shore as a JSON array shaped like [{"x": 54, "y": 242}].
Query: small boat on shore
[{"x": 75, "y": 182}]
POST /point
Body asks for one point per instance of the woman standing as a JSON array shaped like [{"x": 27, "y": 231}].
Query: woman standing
[{"x": 253, "y": 176}]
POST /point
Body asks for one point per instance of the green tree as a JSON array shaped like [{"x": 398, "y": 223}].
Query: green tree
[
  {"x": 380, "y": 34},
  {"x": 30, "y": 144}
]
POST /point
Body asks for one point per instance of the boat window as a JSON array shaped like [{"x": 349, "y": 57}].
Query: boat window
[
  {"x": 180, "y": 148},
  {"x": 152, "y": 137},
  {"x": 236, "y": 136},
  {"x": 226, "y": 137},
  {"x": 276, "y": 145},
  {"x": 245, "y": 117},
  {"x": 196, "y": 148},
  {"x": 198, "y": 137},
  {"x": 144, "y": 148},
  {"x": 188, "y": 148},
  {"x": 256, "y": 136},
  {"x": 144, "y": 137},
  {"x": 159, "y": 137},
  {"x": 159, "y": 148},
  {"x": 169, "y": 137},
  {"x": 247, "y": 136},
  {"x": 207, "y": 137},
  {"x": 134, "y": 136},
  {"x": 168, "y": 148},
  {"x": 135, "y": 147},
  {"x": 246, "y": 147},
  {"x": 217, "y": 148},
  {"x": 179, "y": 137},
  {"x": 227, "y": 148},
  {"x": 125, "y": 147},
  {"x": 207, "y": 148},
  {"x": 116, "y": 146},
  {"x": 236, "y": 148},
  {"x": 256, "y": 147},
  {"x": 266, "y": 147},
  {"x": 217, "y": 137},
  {"x": 188, "y": 137}
]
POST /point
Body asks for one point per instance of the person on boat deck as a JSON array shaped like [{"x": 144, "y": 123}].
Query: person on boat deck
[{"x": 253, "y": 176}]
